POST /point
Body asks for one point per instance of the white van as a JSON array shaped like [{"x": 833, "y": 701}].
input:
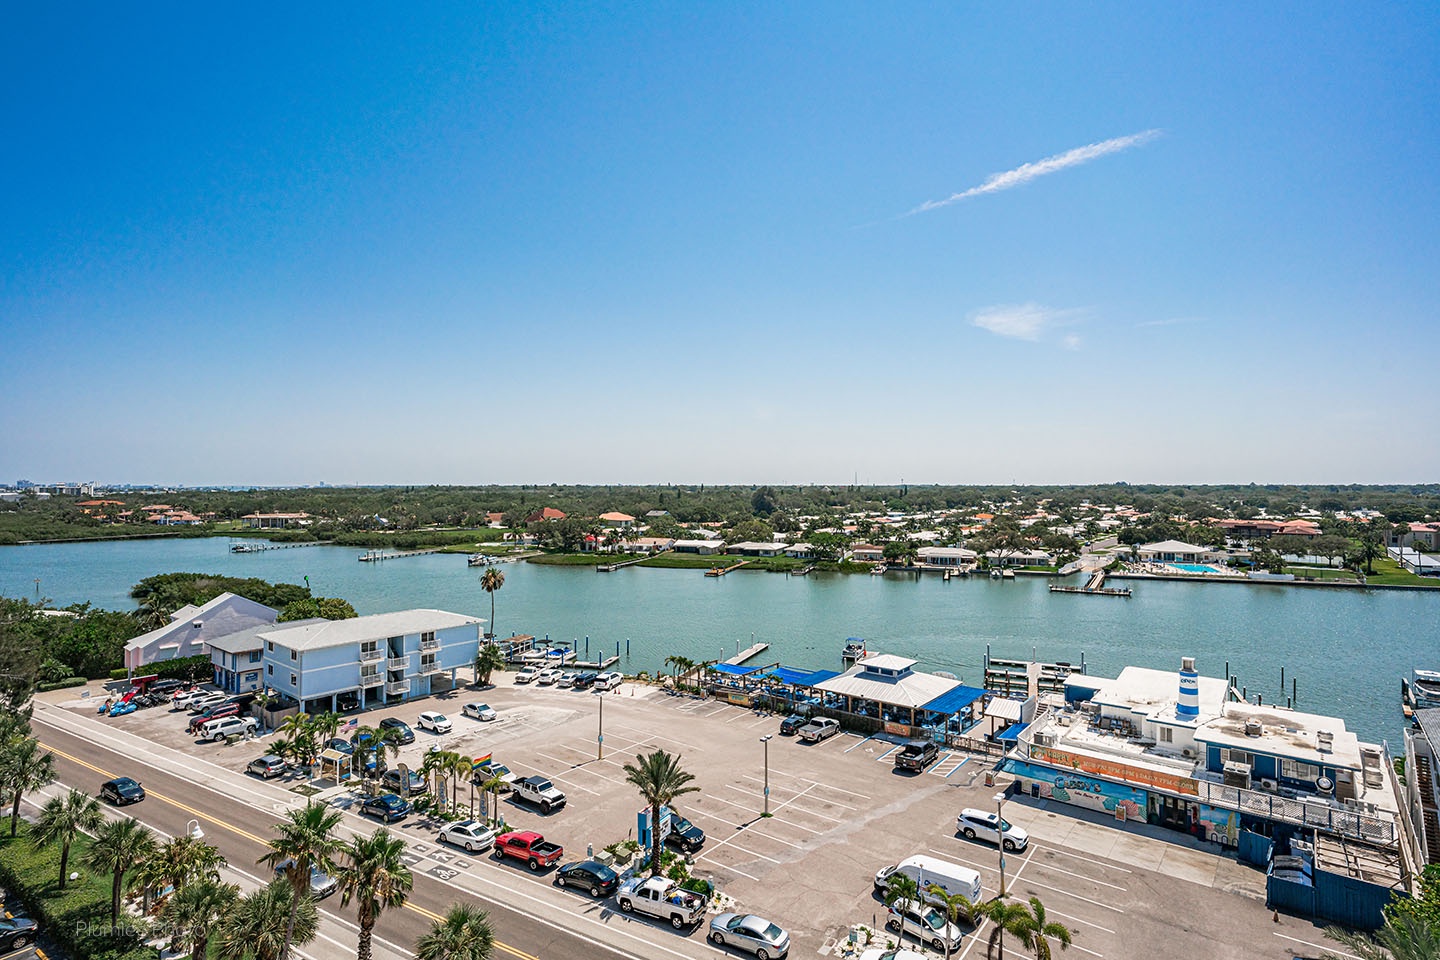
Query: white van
[{"x": 925, "y": 871}]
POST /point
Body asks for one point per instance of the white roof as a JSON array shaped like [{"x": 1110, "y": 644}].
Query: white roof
[
  {"x": 678, "y": 544},
  {"x": 335, "y": 633},
  {"x": 908, "y": 690},
  {"x": 888, "y": 661},
  {"x": 1284, "y": 733},
  {"x": 1149, "y": 693},
  {"x": 960, "y": 552},
  {"x": 224, "y": 615},
  {"x": 755, "y": 545},
  {"x": 1004, "y": 709},
  {"x": 1172, "y": 546}
]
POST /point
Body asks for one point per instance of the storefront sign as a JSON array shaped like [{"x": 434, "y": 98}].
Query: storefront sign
[
  {"x": 1116, "y": 770},
  {"x": 738, "y": 698},
  {"x": 899, "y": 729}
]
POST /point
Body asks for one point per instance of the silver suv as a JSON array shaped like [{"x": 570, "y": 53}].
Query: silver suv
[{"x": 225, "y": 726}]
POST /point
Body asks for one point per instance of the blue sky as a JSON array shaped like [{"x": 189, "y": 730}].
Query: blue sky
[{"x": 588, "y": 243}]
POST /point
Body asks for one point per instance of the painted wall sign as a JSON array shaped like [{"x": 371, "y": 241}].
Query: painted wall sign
[{"x": 1116, "y": 770}]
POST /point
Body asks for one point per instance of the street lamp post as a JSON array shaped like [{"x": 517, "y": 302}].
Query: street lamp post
[
  {"x": 766, "y": 741},
  {"x": 195, "y": 833},
  {"x": 600, "y": 731},
  {"x": 1000, "y": 836}
]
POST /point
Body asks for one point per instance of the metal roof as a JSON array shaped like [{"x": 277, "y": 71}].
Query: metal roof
[
  {"x": 819, "y": 676},
  {"x": 376, "y": 626},
  {"x": 953, "y": 701},
  {"x": 792, "y": 676},
  {"x": 905, "y": 690},
  {"x": 734, "y": 669},
  {"x": 1011, "y": 733}
]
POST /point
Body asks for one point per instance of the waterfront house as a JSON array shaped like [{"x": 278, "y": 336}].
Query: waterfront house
[
  {"x": 1409, "y": 534},
  {"x": 275, "y": 521},
  {"x": 648, "y": 545},
  {"x": 379, "y": 659},
  {"x": 1175, "y": 551},
  {"x": 946, "y": 556},
  {"x": 545, "y": 513},
  {"x": 191, "y": 628},
  {"x": 800, "y": 551},
  {"x": 886, "y": 690},
  {"x": 1019, "y": 558},
  {"x": 866, "y": 553},
  {"x": 702, "y": 547},
  {"x": 613, "y": 519},
  {"x": 750, "y": 548},
  {"x": 237, "y": 659}
]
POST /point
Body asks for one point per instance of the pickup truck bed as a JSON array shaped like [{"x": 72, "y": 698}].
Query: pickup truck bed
[{"x": 531, "y": 847}]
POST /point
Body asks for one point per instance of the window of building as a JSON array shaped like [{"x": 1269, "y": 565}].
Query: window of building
[
  {"x": 1295, "y": 770},
  {"x": 270, "y": 646},
  {"x": 1167, "y": 735},
  {"x": 1236, "y": 756},
  {"x": 270, "y": 669},
  {"x": 254, "y": 656},
  {"x": 294, "y": 655},
  {"x": 292, "y": 679},
  {"x": 428, "y": 636}
]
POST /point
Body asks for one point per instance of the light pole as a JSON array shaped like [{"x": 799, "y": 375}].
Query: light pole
[
  {"x": 766, "y": 741},
  {"x": 1000, "y": 836},
  {"x": 195, "y": 833},
  {"x": 600, "y": 731}
]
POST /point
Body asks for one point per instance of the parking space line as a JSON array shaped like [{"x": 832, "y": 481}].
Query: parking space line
[
  {"x": 707, "y": 817},
  {"x": 812, "y": 786},
  {"x": 787, "y": 803},
  {"x": 1098, "y": 903},
  {"x": 552, "y": 777},
  {"x": 817, "y": 783},
  {"x": 1066, "y": 853},
  {"x": 887, "y": 753},
  {"x": 861, "y": 743},
  {"x": 1079, "y": 876},
  {"x": 657, "y": 736},
  {"x": 1087, "y": 923},
  {"x": 962, "y": 763},
  {"x": 1317, "y": 946},
  {"x": 751, "y": 810}
]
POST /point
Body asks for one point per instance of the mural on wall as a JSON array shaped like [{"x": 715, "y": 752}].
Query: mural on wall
[
  {"x": 1080, "y": 790},
  {"x": 1220, "y": 826}
]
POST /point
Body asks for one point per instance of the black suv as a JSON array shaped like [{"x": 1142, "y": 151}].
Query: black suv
[
  {"x": 684, "y": 834},
  {"x": 582, "y": 680},
  {"x": 917, "y": 755},
  {"x": 403, "y": 733},
  {"x": 791, "y": 724}
]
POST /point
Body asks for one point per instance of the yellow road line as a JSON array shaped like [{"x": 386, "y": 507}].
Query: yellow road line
[{"x": 428, "y": 914}]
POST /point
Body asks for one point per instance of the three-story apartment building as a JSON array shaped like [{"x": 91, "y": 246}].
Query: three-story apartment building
[{"x": 379, "y": 659}]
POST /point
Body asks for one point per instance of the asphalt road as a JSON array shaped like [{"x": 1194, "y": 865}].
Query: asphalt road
[{"x": 240, "y": 826}]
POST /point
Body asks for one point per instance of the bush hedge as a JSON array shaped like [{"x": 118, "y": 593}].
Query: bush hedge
[
  {"x": 185, "y": 668},
  {"x": 61, "y": 684},
  {"x": 77, "y": 917},
  {"x": 119, "y": 673}
]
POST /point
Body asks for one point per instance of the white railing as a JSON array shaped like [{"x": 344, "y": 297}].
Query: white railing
[
  {"x": 366, "y": 656},
  {"x": 398, "y": 663},
  {"x": 368, "y": 680},
  {"x": 429, "y": 666},
  {"x": 432, "y": 644},
  {"x": 397, "y": 686},
  {"x": 1316, "y": 814}
]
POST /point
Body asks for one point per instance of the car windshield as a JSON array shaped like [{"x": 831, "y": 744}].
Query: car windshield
[
  {"x": 1004, "y": 824},
  {"x": 482, "y": 707},
  {"x": 682, "y": 825},
  {"x": 771, "y": 933},
  {"x": 934, "y": 919}
]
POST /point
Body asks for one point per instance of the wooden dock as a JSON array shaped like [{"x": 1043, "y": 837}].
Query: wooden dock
[
  {"x": 802, "y": 572},
  {"x": 748, "y": 653},
  {"x": 1094, "y": 586},
  {"x": 375, "y": 556},
  {"x": 261, "y": 547},
  {"x": 721, "y": 571},
  {"x": 595, "y": 664},
  {"x": 612, "y": 567}
]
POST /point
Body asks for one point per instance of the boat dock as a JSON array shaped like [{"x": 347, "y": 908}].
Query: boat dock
[
  {"x": 374, "y": 556},
  {"x": 604, "y": 664},
  {"x": 1095, "y": 585},
  {"x": 260, "y": 547},
  {"x": 802, "y": 572},
  {"x": 612, "y": 567},
  {"x": 1010, "y": 677},
  {"x": 748, "y": 653},
  {"x": 721, "y": 571}
]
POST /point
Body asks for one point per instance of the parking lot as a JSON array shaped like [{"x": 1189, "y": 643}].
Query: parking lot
[{"x": 839, "y": 811}]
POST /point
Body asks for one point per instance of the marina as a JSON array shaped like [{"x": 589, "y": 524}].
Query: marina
[{"x": 1094, "y": 586}]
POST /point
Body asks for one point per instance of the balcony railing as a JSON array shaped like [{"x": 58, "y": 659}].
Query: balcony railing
[
  {"x": 428, "y": 667},
  {"x": 397, "y": 686},
  {"x": 398, "y": 663},
  {"x": 366, "y": 656},
  {"x": 432, "y": 643},
  {"x": 368, "y": 680}
]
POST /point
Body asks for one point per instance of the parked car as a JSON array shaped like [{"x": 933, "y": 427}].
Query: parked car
[
  {"x": 387, "y": 807},
  {"x": 216, "y": 712},
  {"x": 470, "y": 834},
  {"x": 489, "y": 771},
  {"x": 791, "y": 725},
  {"x": 226, "y": 727},
  {"x": 183, "y": 699},
  {"x": 917, "y": 755},
  {"x": 548, "y": 676},
  {"x": 17, "y": 932},
  {"x": 402, "y": 729},
  {"x": 972, "y": 823},
  {"x": 121, "y": 791},
  {"x": 750, "y": 933},
  {"x": 608, "y": 681},
  {"x": 341, "y": 744},
  {"x": 820, "y": 729},
  {"x": 565, "y": 680},
  {"x": 205, "y": 701},
  {"x": 321, "y": 883},
  {"x": 480, "y": 711},
  {"x": 926, "y": 923},
  {"x": 684, "y": 834},
  {"x": 164, "y": 687},
  {"x": 433, "y": 721},
  {"x": 411, "y": 784},
  {"x": 526, "y": 674},
  {"x": 529, "y": 846},
  {"x": 583, "y": 680},
  {"x": 541, "y": 792},
  {"x": 124, "y": 707},
  {"x": 348, "y": 702},
  {"x": 663, "y": 899},
  {"x": 589, "y": 875},
  {"x": 267, "y": 766}
]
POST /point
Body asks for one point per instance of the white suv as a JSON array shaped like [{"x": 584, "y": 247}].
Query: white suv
[
  {"x": 977, "y": 823},
  {"x": 609, "y": 681},
  {"x": 549, "y": 675},
  {"x": 434, "y": 722},
  {"x": 225, "y": 726},
  {"x": 926, "y": 924},
  {"x": 527, "y": 674}
]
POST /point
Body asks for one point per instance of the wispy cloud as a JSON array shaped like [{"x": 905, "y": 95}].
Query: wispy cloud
[
  {"x": 1029, "y": 171},
  {"x": 1020, "y": 321}
]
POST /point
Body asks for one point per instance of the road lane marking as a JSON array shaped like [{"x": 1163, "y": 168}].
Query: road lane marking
[{"x": 1317, "y": 946}]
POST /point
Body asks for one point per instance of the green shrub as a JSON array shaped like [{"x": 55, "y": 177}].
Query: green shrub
[
  {"x": 62, "y": 684},
  {"x": 185, "y": 668},
  {"x": 119, "y": 673},
  {"x": 74, "y": 917}
]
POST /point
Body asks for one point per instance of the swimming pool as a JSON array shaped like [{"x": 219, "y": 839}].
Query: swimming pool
[{"x": 1194, "y": 567}]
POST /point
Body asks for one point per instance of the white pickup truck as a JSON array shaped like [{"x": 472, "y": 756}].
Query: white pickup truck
[
  {"x": 817, "y": 730},
  {"x": 541, "y": 792},
  {"x": 662, "y": 899}
]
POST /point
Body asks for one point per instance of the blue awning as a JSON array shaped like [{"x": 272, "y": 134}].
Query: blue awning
[
  {"x": 734, "y": 669},
  {"x": 819, "y": 676},
  {"x": 954, "y": 700},
  {"x": 1011, "y": 733},
  {"x": 789, "y": 675}
]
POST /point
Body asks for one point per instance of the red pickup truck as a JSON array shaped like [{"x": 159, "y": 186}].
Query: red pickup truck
[{"x": 529, "y": 846}]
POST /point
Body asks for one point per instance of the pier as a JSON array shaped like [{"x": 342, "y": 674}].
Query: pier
[
  {"x": 374, "y": 556},
  {"x": 721, "y": 571},
  {"x": 1095, "y": 586},
  {"x": 612, "y": 567},
  {"x": 604, "y": 664},
  {"x": 259, "y": 547},
  {"x": 751, "y": 651}
]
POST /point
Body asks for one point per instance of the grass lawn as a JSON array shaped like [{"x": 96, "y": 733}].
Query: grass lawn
[
  {"x": 1388, "y": 572},
  {"x": 1321, "y": 573},
  {"x": 580, "y": 559},
  {"x": 689, "y": 561}
]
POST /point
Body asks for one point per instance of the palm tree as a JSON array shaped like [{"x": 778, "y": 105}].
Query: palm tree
[
  {"x": 325, "y": 725},
  {"x": 436, "y": 761},
  {"x": 23, "y": 768},
  {"x": 299, "y": 733},
  {"x": 660, "y": 780},
  {"x": 1027, "y": 924},
  {"x": 903, "y": 890},
  {"x": 463, "y": 934},
  {"x": 488, "y": 659},
  {"x": 490, "y": 581},
  {"x": 370, "y": 742},
  {"x": 119, "y": 845},
  {"x": 307, "y": 840},
  {"x": 459, "y": 768},
  {"x": 178, "y": 862},
  {"x": 61, "y": 819},
  {"x": 958, "y": 908},
  {"x": 375, "y": 876},
  {"x": 1401, "y": 938},
  {"x": 195, "y": 911},
  {"x": 263, "y": 925}
]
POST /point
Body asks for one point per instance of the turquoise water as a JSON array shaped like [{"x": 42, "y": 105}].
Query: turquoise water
[
  {"x": 1192, "y": 567},
  {"x": 1346, "y": 647}
]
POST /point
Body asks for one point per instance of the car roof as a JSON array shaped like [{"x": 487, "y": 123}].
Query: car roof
[
  {"x": 751, "y": 922},
  {"x": 979, "y": 814},
  {"x": 122, "y": 781}
]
